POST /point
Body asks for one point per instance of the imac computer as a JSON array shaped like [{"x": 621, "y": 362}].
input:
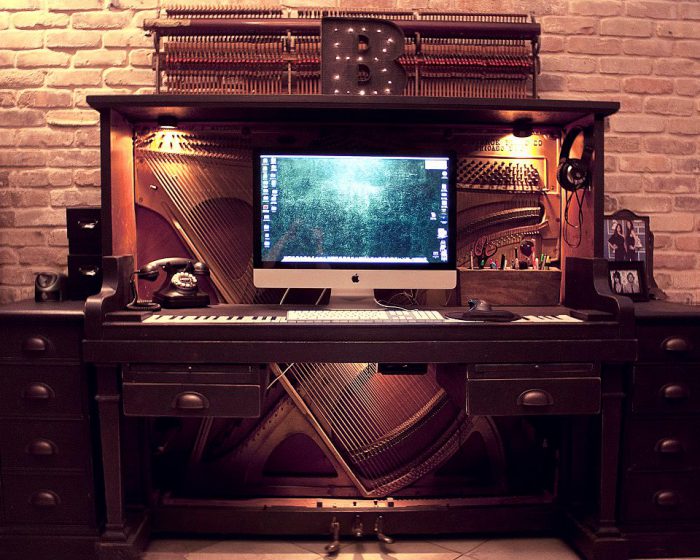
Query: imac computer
[{"x": 353, "y": 223}]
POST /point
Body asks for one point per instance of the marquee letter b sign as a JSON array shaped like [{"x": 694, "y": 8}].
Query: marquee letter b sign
[{"x": 360, "y": 57}]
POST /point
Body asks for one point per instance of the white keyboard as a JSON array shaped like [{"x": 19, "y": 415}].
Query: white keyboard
[{"x": 364, "y": 316}]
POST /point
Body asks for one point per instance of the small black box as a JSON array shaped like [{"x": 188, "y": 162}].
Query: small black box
[
  {"x": 84, "y": 275},
  {"x": 49, "y": 286},
  {"x": 84, "y": 230}
]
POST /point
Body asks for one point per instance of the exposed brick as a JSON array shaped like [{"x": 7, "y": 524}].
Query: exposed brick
[
  {"x": 87, "y": 177},
  {"x": 686, "y": 279},
  {"x": 19, "y": 5},
  {"x": 676, "y": 222},
  {"x": 634, "y": 123},
  {"x": 39, "y": 20},
  {"x": 99, "y": 58},
  {"x": 625, "y": 65},
  {"x": 126, "y": 38},
  {"x": 75, "y": 197},
  {"x": 646, "y": 163},
  {"x": 19, "y": 40},
  {"x": 647, "y": 85},
  {"x": 72, "y": 117},
  {"x": 44, "y": 137},
  {"x": 89, "y": 137},
  {"x": 128, "y": 77},
  {"x": 7, "y": 219},
  {"x": 630, "y": 103},
  {"x": 569, "y": 25},
  {"x": 7, "y": 59},
  {"x": 22, "y": 237},
  {"x": 644, "y": 204},
  {"x": 29, "y": 178},
  {"x": 674, "y": 261},
  {"x": 27, "y": 198},
  {"x": 594, "y": 83},
  {"x": 565, "y": 63},
  {"x": 593, "y": 45},
  {"x": 551, "y": 83},
  {"x": 72, "y": 78},
  {"x": 686, "y": 165},
  {"x": 22, "y": 158},
  {"x": 141, "y": 16},
  {"x": 684, "y": 126},
  {"x": 663, "y": 241},
  {"x": 7, "y": 99},
  {"x": 622, "y": 144},
  {"x": 75, "y": 5},
  {"x": 141, "y": 58},
  {"x": 99, "y": 20},
  {"x": 648, "y": 47},
  {"x": 668, "y": 145},
  {"x": 40, "y": 217},
  {"x": 22, "y": 117},
  {"x": 687, "y": 243},
  {"x": 687, "y": 86},
  {"x": 689, "y": 11},
  {"x": 58, "y": 238},
  {"x": 61, "y": 178},
  {"x": 18, "y": 79},
  {"x": 80, "y": 94},
  {"x": 623, "y": 183},
  {"x": 145, "y": 90},
  {"x": 44, "y": 98},
  {"x": 687, "y": 49},
  {"x": 133, "y": 4},
  {"x": 596, "y": 7},
  {"x": 610, "y": 163},
  {"x": 672, "y": 185},
  {"x": 44, "y": 255},
  {"x": 73, "y": 39},
  {"x": 73, "y": 158},
  {"x": 12, "y": 293},
  {"x": 675, "y": 67},
  {"x": 8, "y": 256},
  {"x": 678, "y": 29},
  {"x": 626, "y": 27},
  {"x": 691, "y": 203},
  {"x": 42, "y": 58},
  {"x": 669, "y": 106},
  {"x": 654, "y": 10}
]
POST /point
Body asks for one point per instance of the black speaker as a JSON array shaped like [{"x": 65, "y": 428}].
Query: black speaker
[
  {"x": 575, "y": 173},
  {"x": 49, "y": 286}
]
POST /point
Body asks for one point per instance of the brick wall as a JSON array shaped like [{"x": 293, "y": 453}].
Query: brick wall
[{"x": 645, "y": 54}]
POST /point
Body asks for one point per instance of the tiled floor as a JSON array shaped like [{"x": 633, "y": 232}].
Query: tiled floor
[{"x": 443, "y": 549}]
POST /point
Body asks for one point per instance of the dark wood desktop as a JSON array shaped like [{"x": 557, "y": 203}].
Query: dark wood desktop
[{"x": 600, "y": 413}]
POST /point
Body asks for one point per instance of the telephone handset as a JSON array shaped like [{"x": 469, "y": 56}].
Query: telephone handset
[{"x": 180, "y": 287}]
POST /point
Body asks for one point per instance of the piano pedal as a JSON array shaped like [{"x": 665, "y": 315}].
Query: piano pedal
[
  {"x": 379, "y": 531},
  {"x": 334, "y": 546}
]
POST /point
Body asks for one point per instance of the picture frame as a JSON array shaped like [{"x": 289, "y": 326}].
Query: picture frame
[{"x": 628, "y": 278}]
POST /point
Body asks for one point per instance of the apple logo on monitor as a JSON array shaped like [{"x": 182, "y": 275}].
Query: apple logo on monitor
[{"x": 355, "y": 278}]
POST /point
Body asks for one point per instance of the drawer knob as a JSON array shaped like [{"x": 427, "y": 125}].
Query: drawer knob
[
  {"x": 535, "y": 398},
  {"x": 89, "y": 271},
  {"x": 42, "y": 448},
  {"x": 44, "y": 499},
  {"x": 667, "y": 498},
  {"x": 676, "y": 345},
  {"x": 88, "y": 224},
  {"x": 669, "y": 446},
  {"x": 35, "y": 345},
  {"x": 190, "y": 400},
  {"x": 675, "y": 392},
  {"x": 38, "y": 392}
]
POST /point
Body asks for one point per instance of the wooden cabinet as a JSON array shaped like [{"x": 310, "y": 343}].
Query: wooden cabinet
[
  {"x": 660, "y": 489},
  {"x": 46, "y": 455}
]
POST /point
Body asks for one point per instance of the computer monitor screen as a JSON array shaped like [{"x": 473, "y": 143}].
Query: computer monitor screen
[{"x": 348, "y": 221}]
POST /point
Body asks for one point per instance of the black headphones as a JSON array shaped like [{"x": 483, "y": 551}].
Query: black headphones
[{"x": 573, "y": 173}]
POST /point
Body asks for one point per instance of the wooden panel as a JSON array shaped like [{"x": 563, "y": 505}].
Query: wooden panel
[
  {"x": 662, "y": 444},
  {"x": 50, "y": 390},
  {"x": 40, "y": 342},
  {"x": 44, "y": 444},
  {"x": 671, "y": 389},
  {"x": 514, "y": 397},
  {"x": 198, "y": 400},
  {"x": 669, "y": 342},
  {"x": 510, "y": 287},
  {"x": 660, "y": 497}
]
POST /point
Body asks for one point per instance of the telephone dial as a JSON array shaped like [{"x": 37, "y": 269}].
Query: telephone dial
[{"x": 180, "y": 287}]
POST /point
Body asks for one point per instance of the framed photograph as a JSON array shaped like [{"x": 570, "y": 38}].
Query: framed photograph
[
  {"x": 626, "y": 237},
  {"x": 628, "y": 279}
]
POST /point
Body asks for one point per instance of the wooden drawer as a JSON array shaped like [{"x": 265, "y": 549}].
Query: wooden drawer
[
  {"x": 660, "y": 497},
  {"x": 47, "y": 390},
  {"x": 42, "y": 444},
  {"x": 670, "y": 444},
  {"x": 38, "y": 342},
  {"x": 667, "y": 388},
  {"x": 48, "y": 499},
  {"x": 191, "y": 399},
  {"x": 515, "y": 397},
  {"x": 669, "y": 342}
]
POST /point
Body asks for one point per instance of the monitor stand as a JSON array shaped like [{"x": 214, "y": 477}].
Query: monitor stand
[{"x": 352, "y": 299}]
